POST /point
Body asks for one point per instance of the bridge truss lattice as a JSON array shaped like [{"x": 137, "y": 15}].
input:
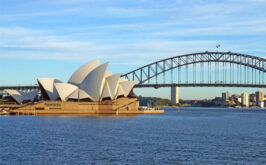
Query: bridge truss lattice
[{"x": 224, "y": 69}]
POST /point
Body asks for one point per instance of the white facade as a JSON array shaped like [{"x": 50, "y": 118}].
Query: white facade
[
  {"x": 245, "y": 99},
  {"x": 261, "y": 104}
]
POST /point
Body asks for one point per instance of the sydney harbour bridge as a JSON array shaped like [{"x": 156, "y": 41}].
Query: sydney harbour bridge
[{"x": 208, "y": 69}]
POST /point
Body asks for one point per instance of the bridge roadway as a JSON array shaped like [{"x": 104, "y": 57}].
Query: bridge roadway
[
  {"x": 34, "y": 87},
  {"x": 200, "y": 85},
  {"x": 25, "y": 87}
]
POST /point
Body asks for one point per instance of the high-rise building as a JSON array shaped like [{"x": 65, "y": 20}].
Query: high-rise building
[
  {"x": 175, "y": 94},
  {"x": 252, "y": 98},
  {"x": 245, "y": 99},
  {"x": 259, "y": 96},
  {"x": 225, "y": 97}
]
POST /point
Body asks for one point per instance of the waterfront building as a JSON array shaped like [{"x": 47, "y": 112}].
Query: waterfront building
[
  {"x": 225, "y": 97},
  {"x": 261, "y": 104},
  {"x": 239, "y": 100},
  {"x": 259, "y": 96},
  {"x": 245, "y": 99},
  {"x": 252, "y": 98}
]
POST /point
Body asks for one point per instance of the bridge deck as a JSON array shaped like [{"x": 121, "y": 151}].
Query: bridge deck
[{"x": 200, "y": 85}]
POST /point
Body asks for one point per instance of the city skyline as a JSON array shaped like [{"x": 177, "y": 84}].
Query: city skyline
[{"x": 50, "y": 39}]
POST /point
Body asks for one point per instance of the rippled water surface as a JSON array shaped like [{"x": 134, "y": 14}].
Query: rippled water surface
[{"x": 191, "y": 136}]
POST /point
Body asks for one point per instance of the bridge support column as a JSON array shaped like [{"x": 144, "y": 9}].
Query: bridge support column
[{"x": 175, "y": 94}]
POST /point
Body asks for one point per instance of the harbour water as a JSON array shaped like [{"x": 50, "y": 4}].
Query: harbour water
[{"x": 189, "y": 136}]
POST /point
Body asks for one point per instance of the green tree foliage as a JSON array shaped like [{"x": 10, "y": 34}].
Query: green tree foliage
[{"x": 155, "y": 101}]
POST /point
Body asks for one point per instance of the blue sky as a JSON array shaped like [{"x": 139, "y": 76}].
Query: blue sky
[{"x": 40, "y": 38}]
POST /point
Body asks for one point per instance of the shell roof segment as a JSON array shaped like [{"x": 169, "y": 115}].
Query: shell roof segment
[
  {"x": 112, "y": 84},
  {"x": 79, "y": 94},
  {"x": 49, "y": 88},
  {"x": 65, "y": 89},
  {"x": 127, "y": 86},
  {"x": 106, "y": 91},
  {"x": 20, "y": 96},
  {"x": 16, "y": 95},
  {"x": 79, "y": 75},
  {"x": 92, "y": 84}
]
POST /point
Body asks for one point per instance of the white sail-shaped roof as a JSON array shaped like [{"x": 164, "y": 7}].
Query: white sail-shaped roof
[
  {"x": 48, "y": 85},
  {"x": 92, "y": 84},
  {"x": 107, "y": 73},
  {"x": 64, "y": 90},
  {"x": 68, "y": 91},
  {"x": 122, "y": 80},
  {"x": 120, "y": 91},
  {"x": 111, "y": 85},
  {"x": 20, "y": 96},
  {"x": 124, "y": 87},
  {"x": 79, "y": 75},
  {"x": 16, "y": 95},
  {"x": 127, "y": 86},
  {"x": 90, "y": 81},
  {"x": 106, "y": 91},
  {"x": 79, "y": 94}
]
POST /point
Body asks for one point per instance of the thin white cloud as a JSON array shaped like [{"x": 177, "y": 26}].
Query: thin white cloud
[
  {"x": 39, "y": 45},
  {"x": 156, "y": 30}
]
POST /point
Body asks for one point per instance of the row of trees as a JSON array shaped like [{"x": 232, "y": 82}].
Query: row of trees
[{"x": 155, "y": 101}]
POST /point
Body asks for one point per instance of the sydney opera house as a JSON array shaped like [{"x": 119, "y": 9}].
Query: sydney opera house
[{"x": 90, "y": 89}]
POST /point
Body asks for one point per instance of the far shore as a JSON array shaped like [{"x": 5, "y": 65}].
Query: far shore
[{"x": 253, "y": 107}]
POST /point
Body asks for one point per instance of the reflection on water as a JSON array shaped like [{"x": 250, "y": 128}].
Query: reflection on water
[{"x": 191, "y": 136}]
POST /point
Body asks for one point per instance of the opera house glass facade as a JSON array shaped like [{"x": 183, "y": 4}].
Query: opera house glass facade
[{"x": 90, "y": 83}]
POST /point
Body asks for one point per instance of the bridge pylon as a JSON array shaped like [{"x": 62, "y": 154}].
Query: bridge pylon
[{"x": 175, "y": 94}]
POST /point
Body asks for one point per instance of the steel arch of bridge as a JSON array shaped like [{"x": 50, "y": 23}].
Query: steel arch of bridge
[{"x": 147, "y": 72}]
